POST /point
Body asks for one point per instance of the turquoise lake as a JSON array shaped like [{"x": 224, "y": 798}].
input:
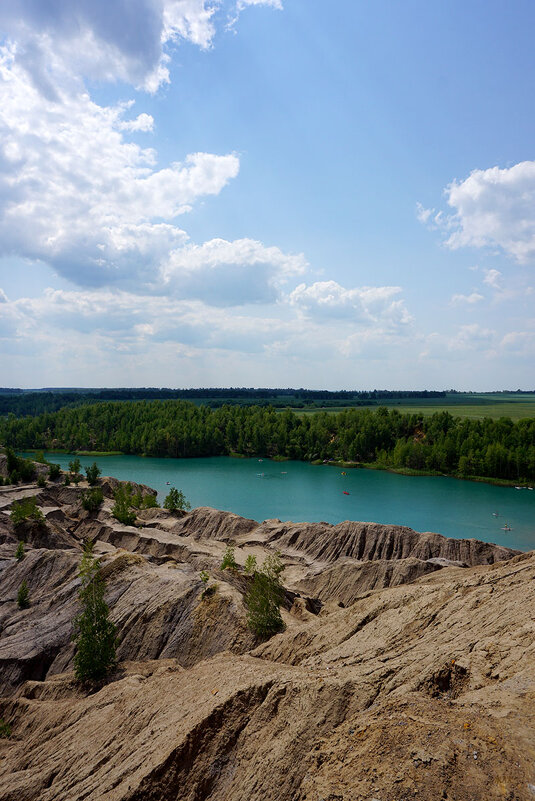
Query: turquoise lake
[{"x": 300, "y": 491}]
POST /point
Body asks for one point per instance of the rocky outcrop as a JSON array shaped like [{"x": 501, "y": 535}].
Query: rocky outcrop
[{"x": 370, "y": 541}]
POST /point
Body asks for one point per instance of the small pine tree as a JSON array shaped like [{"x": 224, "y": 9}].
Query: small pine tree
[
  {"x": 41, "y": 481},
  {"x": 23, "y": 596},
  {"x": 265, "y": 597},
  {"x": 121, "y": 508},
  {"x": 92, "y": 499},
  {"x": 19, "y": 553},
  {"x": 94, "y": 632},
  {"x": 54, "y": 472},
  {"x": 5, "y": 729},
  {"x": 93, "y": 473},
  {"x": 75, "y": 466},
  {"x": 250, "y": 565},
  {"x": 228, "y": 558},
  {"x": 176, "y": 500},
  {"x": 26, "y": 509}
]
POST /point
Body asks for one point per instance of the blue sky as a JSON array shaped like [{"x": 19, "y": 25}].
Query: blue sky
[{"x": 267, "y": 192}]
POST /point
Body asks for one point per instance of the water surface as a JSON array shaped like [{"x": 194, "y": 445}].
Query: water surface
[{"x": 300, "y": 491}]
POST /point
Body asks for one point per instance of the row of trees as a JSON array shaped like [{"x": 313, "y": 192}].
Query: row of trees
[{"x": 491, "y": 448}]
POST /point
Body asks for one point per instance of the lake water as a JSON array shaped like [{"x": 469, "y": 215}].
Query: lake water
[{"x": 300, "y": 491}]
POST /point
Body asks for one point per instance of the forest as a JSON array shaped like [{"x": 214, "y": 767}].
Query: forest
[
  {"x": 442, "y": 443},
  {"x": 28, "y": 402}
]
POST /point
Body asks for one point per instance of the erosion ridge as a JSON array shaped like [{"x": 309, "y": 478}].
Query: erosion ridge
[{"x": 406, "y": 669}]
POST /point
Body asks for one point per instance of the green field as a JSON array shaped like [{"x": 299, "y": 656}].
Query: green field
[{"x": 476, "y": 406}]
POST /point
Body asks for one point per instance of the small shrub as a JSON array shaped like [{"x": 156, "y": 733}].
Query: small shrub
[
  {"x": 39, "y": 456},
  {"x": 93, "y": 473},
  {"x": 250, "y": 565},
  {"x": 67, "y": 481},
  {"x": 176, "y": 500},
  {"x": 54, "y": 472},
  {"x": 1, "y": 481},
  {"x": 5, "y": 729},
  {"x": 19, "y": 553},
  {"x": 208, "y": 591},
  {"x": 14, "y": 477},
  {"x": 26, "y": 509},
  {"x": 41, "y": 481},
  {"x": 150, "y": 502},
  {"x": 228, "y": 558},
  {"x": 23, "y": 596},
  {"x": 121, "y": 509},
  {"x": 94, "y": 633},
  {"x": 264, "y": 599},
  {"x": 75, "y": 466},
  {"x": 92, "y": 499}
]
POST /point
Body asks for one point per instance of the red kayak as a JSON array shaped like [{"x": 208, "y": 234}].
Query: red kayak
[{"x": 346, "y": 493}]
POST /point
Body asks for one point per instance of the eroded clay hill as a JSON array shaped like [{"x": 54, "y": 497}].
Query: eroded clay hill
[{"x": 406, "y": 670}]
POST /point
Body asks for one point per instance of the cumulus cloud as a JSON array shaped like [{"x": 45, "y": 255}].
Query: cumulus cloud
[
  {"x": 123, "y": 40},
  {"x": 3, "y": 296},
  {"x": 76, "y": 194},
  {"x": 472, "y": 337},
  {"x": 473, "y": 297},
  {"x": 491, "y": 208},
  {"x": 364, "y": 305},
  {"x": 492, "y": 278},
  {"x": 241, "y": 4},
  {"x": 231, "y": 273}
]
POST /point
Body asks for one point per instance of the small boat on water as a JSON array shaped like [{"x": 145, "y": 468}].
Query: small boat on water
[
  {"x": 346, "y": 492},
  {"x": 506, "y": 528},
  {"x": 167, "y": 482},
  {"x": 495, "y": 514}
]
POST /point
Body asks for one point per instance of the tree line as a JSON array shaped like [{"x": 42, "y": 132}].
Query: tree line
[
  {"x": 441, "y": 443},
  {"x": 25, "y": 402}
]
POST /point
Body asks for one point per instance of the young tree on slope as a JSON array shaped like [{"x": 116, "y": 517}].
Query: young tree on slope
[{"x": 94, "y": 632}]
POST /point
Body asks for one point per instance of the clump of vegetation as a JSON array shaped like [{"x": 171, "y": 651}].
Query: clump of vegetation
[
  {"x": 228, "y": 558},
  {"x": 207, "y": 590},
  {"x": 92, "y": 473},
  {"x": 176, "y": 500},
  {"x": 94, "y": 633},
  {"x": 249, "y": 567},
  {"x": 123, "y": 501},
  {"x": 26, "y": 509},
  {"x": 140, "y": 501},
  {"x": 74, "y": 470},
  {"x": 19, "y": 469},
  {"x": 23, "y": 596},
  {"x": 54, "y": 472},
  {"x": 5, "y": 729},
  {"x": 92, "y": 499},
  {"x": 67, "y": 481},
  {"x": 19, "y": 553},
  {"x": 41, "y": 481},
  {"x": 265, "y": 597}
]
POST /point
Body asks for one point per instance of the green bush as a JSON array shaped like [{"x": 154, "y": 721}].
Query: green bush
[
  {"x": 264, "y": 598},
  {"x": 228, "y": 558},
  {"x": 1, "y": 481},
  {"x": 23, "y": 596},
  {"x": 67, "y": 481},
  {"x": 26, "y": 509},
  {"x": 21, "y": 469},
  {"x": 121, "y": 509},
  {"x": 54, "y": 472},
  {"x": 176, "y": 500},
  {"x": 75, "y": 466},
  {"x": 250, "y": 565},
  {"x": 5, "y": 729},
  {"x": 94, "y": 633},
  {"x": 41, "y": 481},
  {"x": 19, "y": 553},
  {"x": 14, "y": 477},
  {"x": 92, "y": 499},
  {"x": 93, "y": 473}
]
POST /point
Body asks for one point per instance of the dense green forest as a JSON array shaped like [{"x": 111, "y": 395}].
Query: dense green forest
[
  {"x": 26, "y": 402},
  {"x": 489, "y": 448}
]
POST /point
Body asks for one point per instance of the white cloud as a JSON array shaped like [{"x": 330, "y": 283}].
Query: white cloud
[
  {"x": 231, "y": 273},
  {"x": 495, "y": 208},
  {"x": 76, "y": 194},
  {"x": 472, "y": 337},
  {"x": 520, "y": 343},
  {"x": 143, "y": 122},
  {"x": 364, "y": 305},
  {"x": 241, "y": 4},
  {"x": 121, "y": 40},
  {"x": 492, "y": 278},
  {"x": 3, "y": 296},
  {"x": 473, "y": 297}
]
